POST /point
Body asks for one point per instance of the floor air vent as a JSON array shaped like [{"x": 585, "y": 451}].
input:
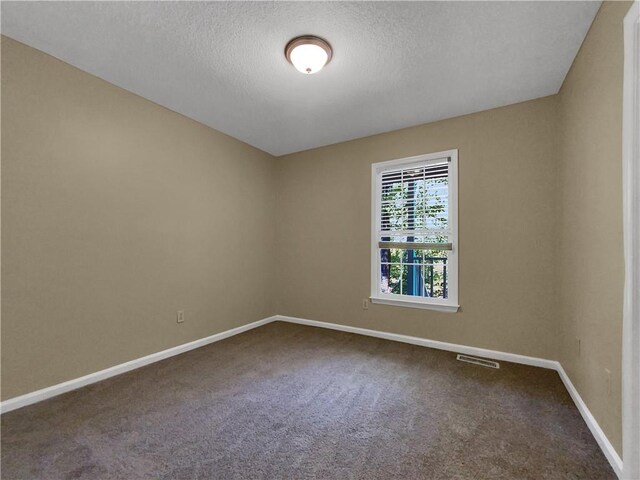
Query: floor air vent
[{"x": 478, "y": 361}]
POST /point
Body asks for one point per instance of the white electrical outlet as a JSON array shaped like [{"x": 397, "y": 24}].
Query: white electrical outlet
[
  {"x": 365, "y": 304},
  {"x": 180, "y": 318}
]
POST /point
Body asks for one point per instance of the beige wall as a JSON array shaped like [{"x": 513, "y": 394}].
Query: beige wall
[
  {"x": 508, "y": 182},
  {"x": 591, "y": 255},
  {"x": 540, "y": 226},
  {"x": 116, "y": 213}
]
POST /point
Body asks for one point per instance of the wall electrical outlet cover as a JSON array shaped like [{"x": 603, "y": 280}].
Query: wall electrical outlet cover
[
  {"x": 180, "y": 318},
  {"x": 365, "y": 304}
]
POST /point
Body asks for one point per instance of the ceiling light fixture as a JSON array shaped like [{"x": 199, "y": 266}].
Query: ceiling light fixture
[{"x": 308, "y": 53}]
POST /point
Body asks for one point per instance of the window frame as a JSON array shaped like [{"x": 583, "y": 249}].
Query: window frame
[{"x": 445, "y": 305}]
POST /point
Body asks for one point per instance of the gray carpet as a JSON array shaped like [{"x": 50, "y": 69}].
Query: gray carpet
[{"x": 292, "y": 402}]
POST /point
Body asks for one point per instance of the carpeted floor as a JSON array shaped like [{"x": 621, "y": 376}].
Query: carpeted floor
[{"x": 292, "y": 402}]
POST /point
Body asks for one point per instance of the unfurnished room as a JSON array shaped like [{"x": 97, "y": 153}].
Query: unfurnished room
[{"x": 320, "y": 240}]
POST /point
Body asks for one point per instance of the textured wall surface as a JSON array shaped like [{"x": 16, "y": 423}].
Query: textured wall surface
[
  {"x": 116, "y": 213},
  {"x": 591, "y": 254},
  {"x": 508, "y": 183}
]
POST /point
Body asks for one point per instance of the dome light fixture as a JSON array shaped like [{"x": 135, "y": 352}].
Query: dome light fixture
[{"x": 308, "y": 53}]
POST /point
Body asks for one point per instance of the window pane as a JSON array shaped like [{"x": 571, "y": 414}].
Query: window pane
[
  {"x": 432, "y": 204},
  {"x": 414, "y": 200},
  {"x": 420, "y": 273},
  {"x": 435, "y": 276},
  {"x": 390, "y": 278},
  {"x": 395, "y": 279}
]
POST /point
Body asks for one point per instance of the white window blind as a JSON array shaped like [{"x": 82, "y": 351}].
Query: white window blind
[
  {"x": 414, "y": 239},
  {"x": 414, "y": 203}
]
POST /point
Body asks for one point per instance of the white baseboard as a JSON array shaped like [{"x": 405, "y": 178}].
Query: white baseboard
[
  {"x": 601, "y": 438},
  {"x": 425, "y": 342},
  {"x": 60, "y": 388},
  {"x": 598, "y": 434}
]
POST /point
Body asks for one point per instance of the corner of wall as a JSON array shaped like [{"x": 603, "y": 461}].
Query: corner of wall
[{"x": 590, "y": 226}]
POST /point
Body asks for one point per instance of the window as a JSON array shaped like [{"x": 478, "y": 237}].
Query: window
[{"x": 414, "y": 260}]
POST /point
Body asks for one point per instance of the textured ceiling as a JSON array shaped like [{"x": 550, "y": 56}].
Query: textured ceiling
[{"x": 396, "y": 64}]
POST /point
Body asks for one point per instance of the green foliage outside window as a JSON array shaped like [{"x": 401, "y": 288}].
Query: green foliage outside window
[{"x": 412, "y": 205}]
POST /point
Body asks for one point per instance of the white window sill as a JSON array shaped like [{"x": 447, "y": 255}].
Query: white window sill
[{"x": 440, "y": 307}]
